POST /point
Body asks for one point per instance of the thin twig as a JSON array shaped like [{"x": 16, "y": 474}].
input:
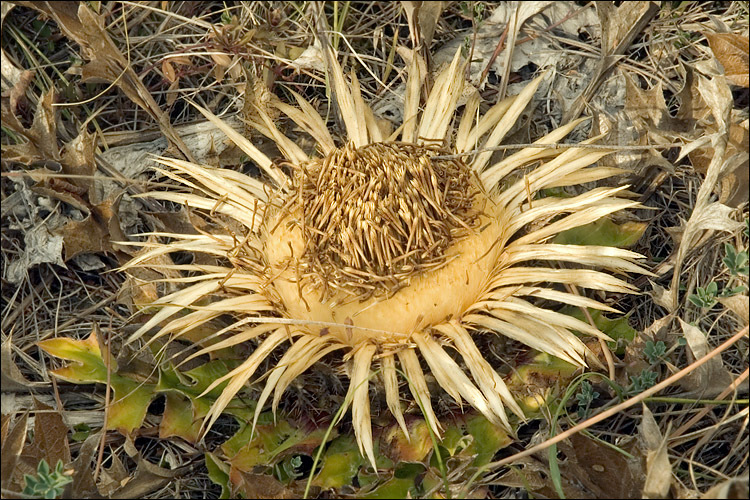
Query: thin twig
[
  {"x": 622, "y": 406},
  {"x": 730, "y": 389}
]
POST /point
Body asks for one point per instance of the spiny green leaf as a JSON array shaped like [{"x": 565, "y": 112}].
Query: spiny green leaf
[
  {"x": 128, "y": 404},
  {"x": 340, "y": 463},
  {"x": 603, "y": 232},
  {"x": 488, "y": 439},
  {"x": 218, "y": 472},
  {"x": 617, "y": 329},
  {"x": 270, "y": 443},
  {"x": 401, "y": 485}
]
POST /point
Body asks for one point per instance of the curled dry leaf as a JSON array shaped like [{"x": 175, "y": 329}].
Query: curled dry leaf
[
  {"x": 50, "y": 437},
  {"x": 658, "y": 468},
  {"x": 12, "y": 378},
  {"x": 738, "y": 304},
  {"x": 590, "y": 469},
  {"x": 41, "y": 136},
  {"x": 736, "y": 487},
  {"x": 620, "y": 26},
  {"x": 710, "y": 379}
]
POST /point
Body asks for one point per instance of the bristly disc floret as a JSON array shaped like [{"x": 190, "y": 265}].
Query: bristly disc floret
[{"x": 373, "y": 216}]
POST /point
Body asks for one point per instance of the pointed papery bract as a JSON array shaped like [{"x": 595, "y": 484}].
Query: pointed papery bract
[
  {"x": 411, "y": 101},
  {"x": 390, "y": 381},
  {"x": 469, "y": 116},
  {"x": 361, "y": 400},
  {"x": 441, "y": 104},
  {"x": 309, "y": 120},
  {"x": 240, "y": 375},
  {"x": 491, "y": 176},
  {"x": 355, "y": 126},
  {"x": 506, "y": 123},
  {"x": 245, "y": 145},
  {"x": 418, "y": 386}
]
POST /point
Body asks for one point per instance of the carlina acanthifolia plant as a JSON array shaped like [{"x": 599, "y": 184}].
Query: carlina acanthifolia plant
[{"x": 388, "y": 248}]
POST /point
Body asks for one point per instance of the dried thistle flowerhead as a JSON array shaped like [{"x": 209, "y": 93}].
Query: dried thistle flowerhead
[
  {"x": 387, "y": 248},
  {"x": 374, "y": 216}
]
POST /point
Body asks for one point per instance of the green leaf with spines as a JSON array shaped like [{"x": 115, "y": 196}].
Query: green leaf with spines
[{"x": 603, "y": 232}]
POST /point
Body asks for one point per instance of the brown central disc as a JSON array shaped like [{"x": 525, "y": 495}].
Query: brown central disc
[{"x": 374, "y": 216}]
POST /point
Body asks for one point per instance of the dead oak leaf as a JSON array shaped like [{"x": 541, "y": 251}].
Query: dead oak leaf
[
  {"x": 655, "y": 447},
  {"x": 41, "y": 136},
  {"x": 731, "y": 50},
  {"x": 710, "y": 379},
  {"x": 91, "y": 235},
  {"x": 50, "y": 439}
]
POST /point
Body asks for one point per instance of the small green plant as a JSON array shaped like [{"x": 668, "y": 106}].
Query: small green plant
[
  {"x": 287, "y": 470},
  {"x": 472, "y": 10},
  {"x": 46, "y": 484},
  {"x": 705, "y": 297},
  {"x": 728, "y": 292},
  {"x": 738, "y": 265},
  {"x": 585, "y": 398},
  {"x": 641, "y": 382},
  {"x": 736, "y": 262},
  {"x": 654, "y": 351}
]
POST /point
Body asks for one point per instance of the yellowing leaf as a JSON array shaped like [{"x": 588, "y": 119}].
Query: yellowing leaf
[
  {"x": 130, "y": 400},
  {"x": 86, "y": 354},
  {"x": 415, "y": 449},
  {"x": 340, "y": 464},
  {"x": 178, "y": 419}
]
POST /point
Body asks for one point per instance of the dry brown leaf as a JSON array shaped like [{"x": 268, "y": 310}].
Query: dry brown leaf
[
  {"x": 710, "y": 379},
  {"x": 50, "y": 439},
  {"x": 42, "y": 135},
  {"x": 620, "y": 26},
  {"x": 734, "y": 488},
  {"x": 113, "y": 477},
  {"x": 11, "y": 446},
  {"x": 714, "y": 216},
  {"x": 86, "y": 236},
  {"x": 83, "y": 485},
  {"x": 17, "y": 94},
  {"x": 649, "y": 123},
  {"x": 658, "y": 469},
  {"x": 11, "y": 377},
  {"x": 147, "y": 479},
  {"x": 733, "y": 179},
  {"x": 732, "y": 52},
  {"x": 589, "y": 470},
  {"x": 168, "y": 70},
  {"x": 258, "y": 485},
  {"x": 738, "y": 304},
  {"x": 78, "y": 160}
]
